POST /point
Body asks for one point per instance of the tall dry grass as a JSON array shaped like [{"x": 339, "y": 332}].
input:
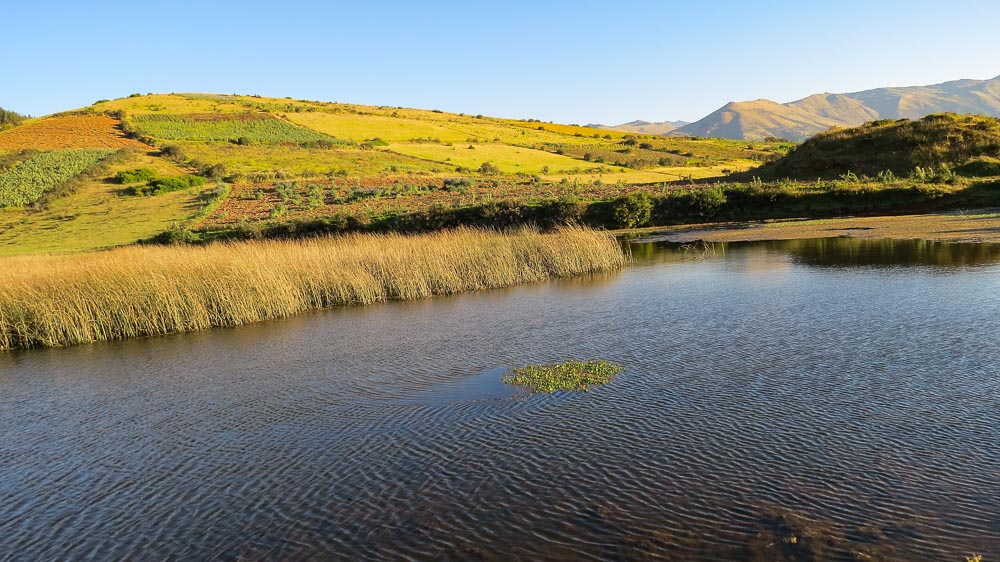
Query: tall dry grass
[{"x": 142, "y": 291}]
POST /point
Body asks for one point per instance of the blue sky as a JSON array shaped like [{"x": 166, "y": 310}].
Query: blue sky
[{"x": 571, "y": 62}]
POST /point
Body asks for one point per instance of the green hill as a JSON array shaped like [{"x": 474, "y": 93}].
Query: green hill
[
  {"x": 968, "y": 144},
  {"x": 218, "y": 163}
]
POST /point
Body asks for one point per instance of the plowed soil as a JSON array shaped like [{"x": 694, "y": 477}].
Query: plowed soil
[{"x": 56, "y": 133}]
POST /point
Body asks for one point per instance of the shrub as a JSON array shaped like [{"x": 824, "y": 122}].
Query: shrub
[
  {"x": 9, "y": 119},
  {"x": 135, "y": 175},
  {"x": 175, "y": 235},
  {"x": 633, "y": 210},
  {"x": 488, "y": 168},
  {"x": 456, "y": 184},
  {"x": 214, "y": 172},
  {"x": 703, "y": 202},
  {"x": 167, "y": 185},
  {"x": 173, "y": 152}
]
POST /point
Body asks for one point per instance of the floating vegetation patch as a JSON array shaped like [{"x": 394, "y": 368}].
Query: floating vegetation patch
[{"x": 571, "y": 376}]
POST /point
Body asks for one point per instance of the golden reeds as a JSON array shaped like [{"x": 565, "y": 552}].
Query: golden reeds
[{"x": 150, "y": 290}]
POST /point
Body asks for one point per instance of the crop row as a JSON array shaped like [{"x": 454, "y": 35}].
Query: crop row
[
  {"x": 29, "y": 180},
  {"x": 251, "y": 130}
]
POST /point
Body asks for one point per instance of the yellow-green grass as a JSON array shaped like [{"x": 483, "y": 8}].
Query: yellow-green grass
[
  {"x": 192, "y": 103},
  {"x": 298, "y": 161},
  {"x": 365, "y": 127},
  {"x": 96, "y": 216},
  {"x": 657, "y": 175},
  {"x": 396, "y": 125},
  {"x": 508, "y": 159},
  {"x": 142, "y": 290}
]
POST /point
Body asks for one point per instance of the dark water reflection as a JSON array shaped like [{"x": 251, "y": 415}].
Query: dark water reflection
[{"x": 854, "y": 406}]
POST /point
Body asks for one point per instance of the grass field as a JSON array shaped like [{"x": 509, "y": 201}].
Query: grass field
[
  {"x": 284, "y": 162},
  {"x": 144, "y": 291},
  {"x": 508, "y": 159}
]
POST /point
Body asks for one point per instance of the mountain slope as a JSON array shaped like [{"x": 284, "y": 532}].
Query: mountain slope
[
  {"x": 758, "y": 120},
  {"x": 643, "y": 127},
  {"x": 803, "y": 118}
]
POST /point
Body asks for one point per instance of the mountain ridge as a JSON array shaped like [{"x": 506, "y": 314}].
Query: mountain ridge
[{"x": 800, "y": 119}]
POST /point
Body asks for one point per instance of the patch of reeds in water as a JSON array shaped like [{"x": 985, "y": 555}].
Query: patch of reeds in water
[{"x": 150, "y": 290}]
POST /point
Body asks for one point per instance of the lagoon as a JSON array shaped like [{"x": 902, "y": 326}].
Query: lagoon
[{"x": 780, "y": 400}]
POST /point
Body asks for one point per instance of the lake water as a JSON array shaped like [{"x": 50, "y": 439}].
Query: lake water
[{"x": 784, "y": 400}]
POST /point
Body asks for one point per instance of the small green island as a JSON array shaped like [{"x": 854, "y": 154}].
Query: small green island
[{"x": 570, "y": 375}]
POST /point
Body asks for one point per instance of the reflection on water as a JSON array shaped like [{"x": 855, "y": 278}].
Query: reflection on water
[
  {"x": 769, "y": 410},
  {"x": 834, "y": 252}
]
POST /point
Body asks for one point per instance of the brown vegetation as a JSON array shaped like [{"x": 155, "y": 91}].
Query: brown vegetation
[
  {"x": 54, "y": 133},
  {"x": 142, "y": 291}
]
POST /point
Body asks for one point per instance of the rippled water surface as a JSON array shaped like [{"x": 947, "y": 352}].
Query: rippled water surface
[{"x": 787, "y": 400}]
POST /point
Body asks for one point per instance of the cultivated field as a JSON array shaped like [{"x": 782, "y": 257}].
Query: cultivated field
[
  {"x": 243, "y": 129},
  {"x": 78, "y": 131},
  {"x": 28, "y": 179},
  {"x": 284, "y": 167}
]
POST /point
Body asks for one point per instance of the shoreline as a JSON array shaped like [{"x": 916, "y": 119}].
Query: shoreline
[
  {"x": 138, "y": 291},
  {"x": 971, "y": 226}
]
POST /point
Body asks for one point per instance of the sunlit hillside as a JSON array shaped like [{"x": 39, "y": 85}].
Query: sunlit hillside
[{"x": 206, "y": 161}]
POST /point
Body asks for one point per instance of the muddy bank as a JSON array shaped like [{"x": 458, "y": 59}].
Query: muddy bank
[{"x": 982, "y": 225}]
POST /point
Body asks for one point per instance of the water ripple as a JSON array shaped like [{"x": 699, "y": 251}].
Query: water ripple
[{"x": 856, "y": 409}]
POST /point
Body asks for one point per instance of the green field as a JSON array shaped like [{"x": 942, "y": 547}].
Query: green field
[
  {"x": 246, "y": 129},
  {"x": 26, "y": 181}
]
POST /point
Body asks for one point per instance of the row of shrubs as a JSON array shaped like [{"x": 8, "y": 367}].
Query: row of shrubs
[{"x": 681, "y": 206}]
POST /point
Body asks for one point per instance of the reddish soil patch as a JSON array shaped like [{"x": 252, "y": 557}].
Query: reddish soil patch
[{"x": 56, "y": 133}]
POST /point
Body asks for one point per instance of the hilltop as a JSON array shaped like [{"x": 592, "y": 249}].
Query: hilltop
[
  {"x": 968, "y": 144},
  {"x": 804, "y": 118}
]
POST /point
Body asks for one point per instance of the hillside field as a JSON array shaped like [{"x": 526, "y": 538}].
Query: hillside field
[
  {"x": 269, "y": 161},
  {"x": 182, "y": 167}
]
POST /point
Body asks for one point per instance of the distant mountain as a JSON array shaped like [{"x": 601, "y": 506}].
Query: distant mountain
[
  {"x": 804, "y": 118},
  {"x": 642, "y": 127}
]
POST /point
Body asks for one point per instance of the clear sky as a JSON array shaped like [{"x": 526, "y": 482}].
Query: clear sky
[{"x": 577, "y": 61}]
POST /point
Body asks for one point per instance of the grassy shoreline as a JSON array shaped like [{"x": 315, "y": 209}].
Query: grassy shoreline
[{"x": 142, "y": 291}]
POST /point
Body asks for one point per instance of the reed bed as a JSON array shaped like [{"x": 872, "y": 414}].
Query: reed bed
[{"x": 151, "y": 290}]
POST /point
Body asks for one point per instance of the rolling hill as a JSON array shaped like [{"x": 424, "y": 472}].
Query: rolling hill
[
  {"x": 942, "y": 142},
  {"x": 804, "y": 118},
  {"x": 131, "y": 168}
]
